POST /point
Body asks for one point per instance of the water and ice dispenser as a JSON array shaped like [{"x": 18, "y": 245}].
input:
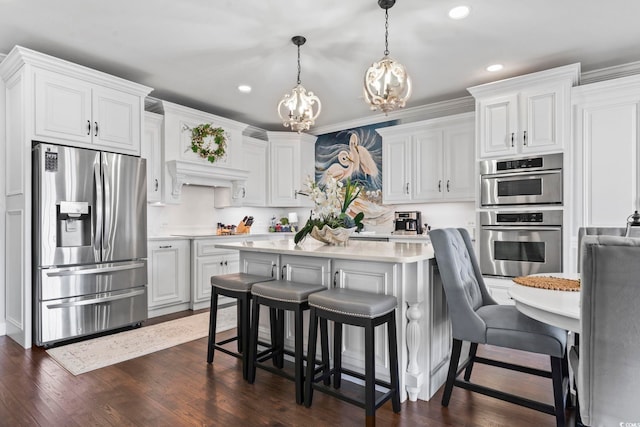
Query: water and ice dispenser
[{"x": 73, "y": 224}]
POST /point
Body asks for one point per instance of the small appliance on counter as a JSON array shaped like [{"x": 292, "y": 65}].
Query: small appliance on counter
[{"x": 408, "y": 222}]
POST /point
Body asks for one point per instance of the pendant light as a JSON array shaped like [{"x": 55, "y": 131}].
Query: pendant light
[
  {"x": 296, "y": 109},
  {"x": 387, "y": 85}
]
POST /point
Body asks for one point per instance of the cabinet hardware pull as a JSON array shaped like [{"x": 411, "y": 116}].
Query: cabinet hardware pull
[
  {"x": 244, "y": 192},
  {"x": 96, "y": 134},
  {"x": 156, "y": 186},
  {"x": 273, "y": 266},
  {"x": 439, "y": 186},
  {"x": 447, "y": 186},
  {"x": 88, "y": 127},
  {"x": 512, "y": 137},
  {"x": 335, "y": 279},
  {"x": 166, "y": 247},
  {"x": 525, "y": 138},
  {"x": 295, "y": 194},
  {"x": 220, "y": 263},
  {"x": 225, "y": 263},
  {"x": 406, "y": 188},
  {"x": 283, "y": 273}
]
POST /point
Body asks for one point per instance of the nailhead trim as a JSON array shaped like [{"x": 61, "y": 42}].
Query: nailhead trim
[
  {"x": 280, "y": 299},
  {"x": 353, "y": 314},
  {"x": 234, "y": 289}
]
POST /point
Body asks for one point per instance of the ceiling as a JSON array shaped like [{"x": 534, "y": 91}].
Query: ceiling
[{"x": 196, "y": 52}]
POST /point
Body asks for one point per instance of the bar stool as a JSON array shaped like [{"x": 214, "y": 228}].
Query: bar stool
[
  {"x": 282, "y": 295},
  {"x": 238, "y": 286},
  {"x": 357, "y": 308}
]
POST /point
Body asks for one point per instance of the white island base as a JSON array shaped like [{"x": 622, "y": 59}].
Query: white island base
[{"x": 405, "y": 270}]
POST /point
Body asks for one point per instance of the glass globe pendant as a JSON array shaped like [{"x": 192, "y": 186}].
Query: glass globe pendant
[
  {"x": 387, "y": 85},
  {"x": 299, "y": 109}
]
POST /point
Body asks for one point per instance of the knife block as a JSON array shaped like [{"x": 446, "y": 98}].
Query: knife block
[{"x": 243, "y": 229}]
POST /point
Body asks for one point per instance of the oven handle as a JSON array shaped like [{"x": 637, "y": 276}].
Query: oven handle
[
  {"x": 526, "y": 175},
  {"x": 521, "y": 228}
]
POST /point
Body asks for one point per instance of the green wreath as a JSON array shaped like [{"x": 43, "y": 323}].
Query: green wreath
[{"x": 206, "y": 149}]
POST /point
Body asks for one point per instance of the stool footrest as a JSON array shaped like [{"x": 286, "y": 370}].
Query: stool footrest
[
  {"x": 381, "y": 397},
  {"x": 227, "y": 341}
]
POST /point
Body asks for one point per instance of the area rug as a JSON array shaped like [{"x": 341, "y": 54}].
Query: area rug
[{"x": 96, "y": 353}]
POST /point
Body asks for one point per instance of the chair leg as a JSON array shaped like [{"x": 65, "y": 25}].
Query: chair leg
[
  {"x": 337, "y": 355},
  {"x": 324, "y": 348},
  {"x": 558, "y": 393},
  {"x": 472, "y": 358},
  {"x": 244, "y": 334},
  {"x": 253, "y": 342},
  {"x": 280, "y": 337},
  {"x": 370, "y": 375},
  {"x": 311, "y": 356},
  {"x": 213, "y": 314},
  {"x": 240, "y": 326},
  {"x": 453, "y": 368},
  {"x": 273, "y": 322},
  {"x": 299, "y": 356},
  {"x": 393, "y": 362}
]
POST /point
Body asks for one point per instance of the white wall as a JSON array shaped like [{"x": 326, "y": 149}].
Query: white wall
[
  {"x": 3, "y": 208},
  {"x": 196, "y": 214}
]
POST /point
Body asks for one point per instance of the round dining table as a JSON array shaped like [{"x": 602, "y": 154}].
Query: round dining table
[{"x": 557, "y": 308}]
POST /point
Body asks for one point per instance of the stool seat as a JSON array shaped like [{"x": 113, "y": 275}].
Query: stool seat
[
  {"x": 238, "y": 282},
  {"x": 353, "y": 303},
  {"x": 285, "y": 290}
]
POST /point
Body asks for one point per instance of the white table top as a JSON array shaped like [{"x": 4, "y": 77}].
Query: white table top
[
  {"x": 557, "y": 308},
  {"x": 358, "y": 250}
]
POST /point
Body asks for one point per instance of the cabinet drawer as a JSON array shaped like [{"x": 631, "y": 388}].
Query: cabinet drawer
[{"x": 208, "y": 247}]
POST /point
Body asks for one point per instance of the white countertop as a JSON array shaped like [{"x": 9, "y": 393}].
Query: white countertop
[
  {"x": 358, "y": 250},
  {"x": 213, "y": 235}
]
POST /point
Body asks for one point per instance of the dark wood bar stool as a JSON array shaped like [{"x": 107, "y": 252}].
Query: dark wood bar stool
[
  {"x": 238, "y": 286},
  {"x": 282, "y": 295},
  {"x": 367, "y": 310}
]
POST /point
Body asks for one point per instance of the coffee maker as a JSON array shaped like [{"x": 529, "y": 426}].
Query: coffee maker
[{"x": 408, "y": 222}]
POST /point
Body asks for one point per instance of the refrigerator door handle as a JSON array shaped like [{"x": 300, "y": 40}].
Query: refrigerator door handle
[
  {"x": 97, "y": 245},
  {"x": 97, "y": 300},
  {"x": 106, "y": 241},
  {"x": 93, "y": 270}
]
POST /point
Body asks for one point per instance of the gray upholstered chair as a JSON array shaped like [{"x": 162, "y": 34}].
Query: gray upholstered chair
[
  {"x": 597, "y": 231},
  {"x": 607, "y": 369},
  {"x": 475, "y": 317}
]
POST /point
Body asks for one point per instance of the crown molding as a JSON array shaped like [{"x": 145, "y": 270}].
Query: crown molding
[{"x": 609, "y": 73}]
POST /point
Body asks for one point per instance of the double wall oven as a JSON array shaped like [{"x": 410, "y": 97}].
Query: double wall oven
[{"x": 521, "y": 218}]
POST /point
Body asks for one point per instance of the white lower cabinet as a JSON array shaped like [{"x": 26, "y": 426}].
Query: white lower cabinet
[
  {"x": 168, "y": 276},
  {"x": 499, "y": 289},
  {"x": 207, "y": 261}
]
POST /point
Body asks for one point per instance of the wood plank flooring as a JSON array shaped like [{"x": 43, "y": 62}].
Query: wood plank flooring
[{"x": 176, "y": 387}]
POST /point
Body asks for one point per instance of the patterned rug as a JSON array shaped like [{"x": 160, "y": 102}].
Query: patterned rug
[{"x": 85, "y": 356}]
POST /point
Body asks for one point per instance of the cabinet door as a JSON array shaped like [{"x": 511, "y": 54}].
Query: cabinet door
[
  {"x": 151, "y": 150},
  {"x": 285, "y": 173},
  {"x": 116, "y": 119},
  {"x": 368, "y": 277},
  {"x": 254, "y": 155},
  {"x": 168, "y": 273},
  {"x": 498, "y": 125},
  {"x": 610, "y": 162},
  {"x": 396, "y": 169},
  {"x": 459, "y": 178},
  {"x": 62, "y": 107},
  {"x": 541, "y": 120},
  {"x": 427, "y": 156}
]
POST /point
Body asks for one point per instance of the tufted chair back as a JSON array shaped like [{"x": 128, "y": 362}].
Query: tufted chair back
[
  {"x": 608, "y": 364},
  {"x": 463, "y": 284}
]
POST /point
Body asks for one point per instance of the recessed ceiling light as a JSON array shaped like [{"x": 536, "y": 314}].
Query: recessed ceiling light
[
  {"x": 244, "y": 88},
  {"x": 495, "y": 67},
  {"x": 459, "y": 12}
]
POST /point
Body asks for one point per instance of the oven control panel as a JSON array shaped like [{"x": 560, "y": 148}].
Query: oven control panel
[
  {"x": 521, "y": 218},
  {"x": 526, "y": 217}
]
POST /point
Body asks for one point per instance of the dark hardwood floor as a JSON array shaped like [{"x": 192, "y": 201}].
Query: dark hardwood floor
[{"x": 176, "y": 387}]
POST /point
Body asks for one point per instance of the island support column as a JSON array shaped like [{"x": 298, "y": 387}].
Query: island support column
[{"x": 414, "y": 285}]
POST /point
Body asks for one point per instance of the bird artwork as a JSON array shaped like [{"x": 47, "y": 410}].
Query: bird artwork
[{"x": 356, "y": 154}]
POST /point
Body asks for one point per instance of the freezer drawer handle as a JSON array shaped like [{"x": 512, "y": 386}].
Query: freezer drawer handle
[
  {"x": 96, "y": 300},
  {"x": 99, "y": 270}
]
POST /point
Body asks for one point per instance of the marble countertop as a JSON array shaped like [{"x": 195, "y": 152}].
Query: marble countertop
[
  {"x": 357, "y": 250},
  {"x": 213, "y": 235}
]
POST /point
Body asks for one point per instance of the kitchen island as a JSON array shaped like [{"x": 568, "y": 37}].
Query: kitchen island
[{"x": 405, "y": 270}]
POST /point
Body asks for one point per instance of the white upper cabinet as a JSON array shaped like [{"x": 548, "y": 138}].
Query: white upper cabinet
[
  {"x": 526, "y": 114},
  {"x": 78, "y": 111},
  {"x": 254, "y": 155},
  {"x": 291, "y": 161},
  {"x": 429, "y": 161},
  {"x": 152, "y": 151}
]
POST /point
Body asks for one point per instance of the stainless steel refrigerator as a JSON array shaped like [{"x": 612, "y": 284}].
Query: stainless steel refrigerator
[{"x": 89, "y": 242}]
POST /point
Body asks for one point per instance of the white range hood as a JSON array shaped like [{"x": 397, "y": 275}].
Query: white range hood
[{"x": 203, "y": 174}]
